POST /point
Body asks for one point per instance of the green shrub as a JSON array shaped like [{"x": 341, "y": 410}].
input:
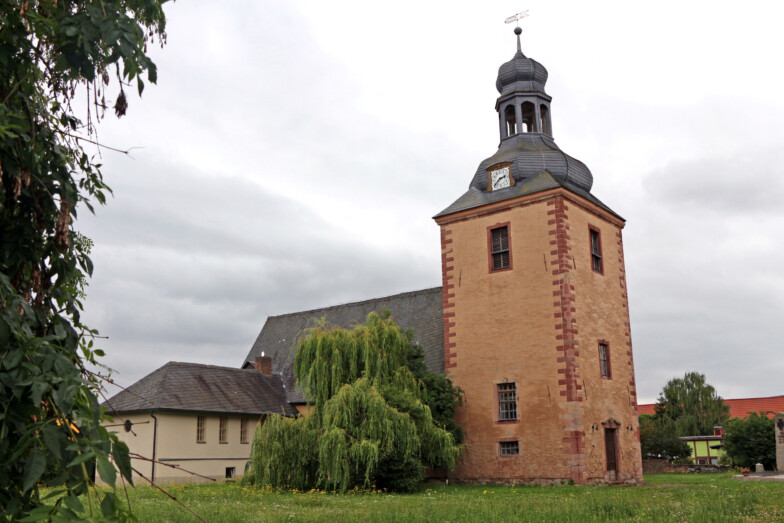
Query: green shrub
[{"x": 751, "y": 440}]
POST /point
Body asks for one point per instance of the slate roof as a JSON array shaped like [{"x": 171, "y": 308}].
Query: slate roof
[
  {"x": 544, "y": 180},
  {"x": 739, "y": 408},
  {"x": 421, "y": 311},
  {"x": 521, "y": 74},
  {"x": 194, "y": 387}
]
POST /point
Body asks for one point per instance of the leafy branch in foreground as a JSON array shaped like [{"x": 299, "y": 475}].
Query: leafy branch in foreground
[
  {"x": 50, "y": 420},
  {"x": 369, "y": 425}
]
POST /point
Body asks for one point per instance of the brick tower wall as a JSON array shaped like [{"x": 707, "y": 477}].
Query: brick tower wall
[{"x": 538, "y": 325}]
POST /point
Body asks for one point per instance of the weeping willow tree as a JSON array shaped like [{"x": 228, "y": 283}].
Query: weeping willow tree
[{"x": 369, "y": 423}]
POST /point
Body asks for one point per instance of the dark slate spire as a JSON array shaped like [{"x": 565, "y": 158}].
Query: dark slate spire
[
  {"x": 527, "y": 146},
  {"x": 521, "y": 73}
]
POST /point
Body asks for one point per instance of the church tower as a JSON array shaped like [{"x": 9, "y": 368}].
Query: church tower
[{"x": 536, "y": 317}]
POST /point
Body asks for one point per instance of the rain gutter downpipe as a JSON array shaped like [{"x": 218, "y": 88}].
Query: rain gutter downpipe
[{"x": 154, "y": 444}]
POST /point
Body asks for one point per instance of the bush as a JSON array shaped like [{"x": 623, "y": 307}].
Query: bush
[
  {"x": 658, "y": 439},
  {"x": 751, "y": 440}
]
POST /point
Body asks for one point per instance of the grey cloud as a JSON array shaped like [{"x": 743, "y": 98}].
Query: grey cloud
[
  {"x": 748, "y": 182},
  {"x": 187, "y": 262}
]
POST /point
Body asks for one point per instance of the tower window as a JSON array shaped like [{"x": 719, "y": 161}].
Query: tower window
[
  {"x": 604, "y": 359},
  {"x": 507, "y": 402},
  {"x": 510, "y": 448},
  {"x": 596, "y": 250},
  {"x": 544, "y": 117},
  {"x": 500, "y": 253},
  {"x": 528, "y": 117},
  {"x": 511, "y": 120}
]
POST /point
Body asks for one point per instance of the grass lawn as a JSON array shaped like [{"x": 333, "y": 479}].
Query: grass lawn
[{"x": 665, "y": 497}]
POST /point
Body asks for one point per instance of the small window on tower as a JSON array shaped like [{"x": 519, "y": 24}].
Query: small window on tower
[
  {"x": 510, "y": 448},
  {"x": 511, "y": 120},
  {"x": 500, "y": 257},
  {"x": 543, "y": 114},
  {"x": 596, "y": 250},
  {"x": 604, "y": 359},
  {"x": 507, "y": 402},
  {"x": 528, "y": 117}
]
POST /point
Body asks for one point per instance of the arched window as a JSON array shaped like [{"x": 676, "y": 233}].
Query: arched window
[
  {"x": 511, "y": 124},
  {"x": 528, "y": 117},
  {"x": 545, "y": 119}
]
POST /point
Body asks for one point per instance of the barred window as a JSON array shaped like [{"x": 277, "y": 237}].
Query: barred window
[
  {"x": 507, "y": 401},
  {"x": 510, "y": 448},
  {"x": 596, "y": 251},
  {"x": 200, "y": 429},
  {"x": 244, "y": 430},
  {"x": 223, "y": 430},
  {"x": 604, "y": 360},
  {"x": 500, "y": 248}
]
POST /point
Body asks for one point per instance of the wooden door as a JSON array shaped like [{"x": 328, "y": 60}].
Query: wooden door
[{"x": 609, "y": 447}]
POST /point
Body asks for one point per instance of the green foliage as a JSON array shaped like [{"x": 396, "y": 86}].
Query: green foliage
[
  {"x": 751, "y": 440},
  {"x": 284, "y": 452},
  {"x": 441, "y": 395},
  {"x": 691, "y": 405},
  {"x": 658, "y": 439},
  {"x": 50, "y": 419},
  {"x": 370, "y": 424}
]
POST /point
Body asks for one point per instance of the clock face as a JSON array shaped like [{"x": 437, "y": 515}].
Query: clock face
[{"x": 499, "y": 178}]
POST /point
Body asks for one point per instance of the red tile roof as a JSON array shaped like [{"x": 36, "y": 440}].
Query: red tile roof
[{"x": 739, "y": 408}]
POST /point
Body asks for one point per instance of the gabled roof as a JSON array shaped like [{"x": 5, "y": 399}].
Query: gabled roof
[
  {"x": 739, "y": 408},
  {"x": 193, "y": 387},
  {"x": 421, "y": 311}
]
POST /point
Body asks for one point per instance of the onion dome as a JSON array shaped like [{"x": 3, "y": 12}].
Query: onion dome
[
  {"x": 521, "y": 73},
  {"x": 527, "y": 148},
  {"x": 531, "y": 153}
]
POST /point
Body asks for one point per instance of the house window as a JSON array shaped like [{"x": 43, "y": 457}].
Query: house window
[
  {"x": 500, "y": 257},
  {"x": 231, "y": 472},
  {"x": 244, "y": 430},
  {"x": 200, "y": 429},
  {"x": 510, "y": 448},
  {"x": 596, "y": 250},
  {"x": 507, "y": 402},
  {"x": 223, "y": 430},
  {"x": 604, "y": 359}
]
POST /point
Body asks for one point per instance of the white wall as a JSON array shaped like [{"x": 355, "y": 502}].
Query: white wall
[{"x": 176, "y": 445}]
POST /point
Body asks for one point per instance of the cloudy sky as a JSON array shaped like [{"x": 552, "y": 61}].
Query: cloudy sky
[{"x": 293, "y": 153}]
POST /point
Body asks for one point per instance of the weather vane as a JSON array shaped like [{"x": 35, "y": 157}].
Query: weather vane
[{"x": 517, "y": 17}]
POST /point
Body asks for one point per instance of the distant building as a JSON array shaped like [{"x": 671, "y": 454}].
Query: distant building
[
  {"x": 740, "y": 407},
  {"x": 708, "y": 449}
]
